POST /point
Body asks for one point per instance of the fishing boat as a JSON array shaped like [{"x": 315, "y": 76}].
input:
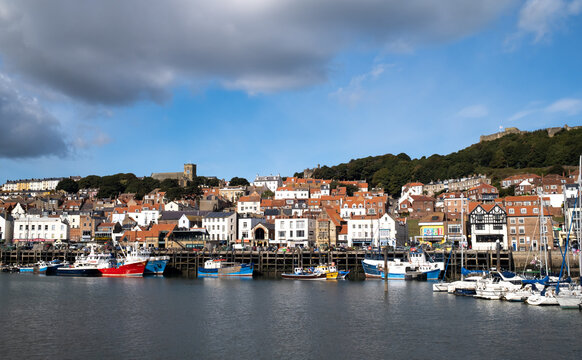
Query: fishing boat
[
  {"x": 417, "y": 266},
  {"x": 305, "y": 274},
  {"x": 155, "y": 264},
  {"x": 38, "y": 268},
  {"x": 124, "y": 267},
  {"x": 220, "y": 267},
  {"x": 86, "y": 265},
  {"x": 53, "y": 265}
]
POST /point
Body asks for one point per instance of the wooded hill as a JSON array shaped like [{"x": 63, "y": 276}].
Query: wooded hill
[{"x": 533, "y": 152}]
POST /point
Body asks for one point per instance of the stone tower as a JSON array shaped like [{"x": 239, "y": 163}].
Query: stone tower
[{"x": 189, "y": 171}]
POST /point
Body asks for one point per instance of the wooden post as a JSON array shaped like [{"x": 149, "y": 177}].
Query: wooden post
[{"x": 386, "y": 269}]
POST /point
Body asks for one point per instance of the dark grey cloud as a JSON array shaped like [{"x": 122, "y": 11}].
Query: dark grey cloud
[
  {"x": 117, "y": 52},
  {"x": 26, "y": 129}
]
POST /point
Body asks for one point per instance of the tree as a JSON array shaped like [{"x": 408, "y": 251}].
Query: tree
[
  {"x": 68, "y": 185},
  {"x": 267, "y": 194},
  {"x": 90, "y": 182},
  {"x": 236, "y": 181}
]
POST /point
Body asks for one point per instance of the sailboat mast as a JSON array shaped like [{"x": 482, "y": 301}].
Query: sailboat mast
[
  {"x": 543, "y": 221},
  {"x": 462, "y": 235},
  {"x": 579, "y": 219}
]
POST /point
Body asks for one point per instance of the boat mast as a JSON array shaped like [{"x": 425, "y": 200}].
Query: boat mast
[
  {"x": 542, "y": 232},
  {"x": 578, "y": 233},
  {"x": 462, "y": 234}
]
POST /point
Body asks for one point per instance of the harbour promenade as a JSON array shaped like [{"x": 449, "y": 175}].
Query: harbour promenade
[{"x": 271, "y": 264}]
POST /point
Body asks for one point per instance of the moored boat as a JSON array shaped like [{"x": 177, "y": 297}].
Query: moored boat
[
  {"x": 38, "y": 268},
  {"x": 417, "y": 266},
  {"x": 303, "y": 274},
  {"x": 122, "y": 267},
  {"x": 220, "y": 267}
]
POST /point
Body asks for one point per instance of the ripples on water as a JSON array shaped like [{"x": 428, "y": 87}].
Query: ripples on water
[{"x": 95, "y": 318}]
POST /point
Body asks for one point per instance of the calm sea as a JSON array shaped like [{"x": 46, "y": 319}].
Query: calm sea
[{"x": 177, "y": 318}]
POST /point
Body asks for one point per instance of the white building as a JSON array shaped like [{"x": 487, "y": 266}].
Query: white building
[
  {"x": 6, "y": 227},
  {"x": 408, "y": 190},
  {"x": 249, "y": 205},
  {"x": 488, "y": 224},
  {"x": 220, "y": 225},
  {"x": 291, "y": 193},
  {"x": 35, "y": 228},
  {"x": 295, "y": 232},
  {"x": 271, "y": 182},
  {"x": 142, "y": 214},
  {"x": 245, "y": 226},
  {"x": 371, "y": 230}
]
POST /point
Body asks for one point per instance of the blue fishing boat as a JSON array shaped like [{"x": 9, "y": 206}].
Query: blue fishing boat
[
  {"x": 156, "y": 265},
  {"x": 38, "y": 268},
  {"x": 220, "y": 268},
  {"x": 417, "y": 266}
]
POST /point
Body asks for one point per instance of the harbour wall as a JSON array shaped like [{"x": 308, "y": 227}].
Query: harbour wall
[{"x": 272, "y": 264}]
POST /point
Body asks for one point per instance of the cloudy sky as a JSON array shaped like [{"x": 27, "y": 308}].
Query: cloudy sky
[{"x": 241, "y": 87}]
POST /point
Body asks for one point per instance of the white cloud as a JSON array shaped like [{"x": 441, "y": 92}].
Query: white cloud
[
  {"x": 473, "y": 111},
  {"x": 541, "y": 17},
  {"x": 148, "y": 47},
  {"x": 354, "y": 91},
  {"x": 567, "y": 106},
  {"x": 521, "y": 114}
]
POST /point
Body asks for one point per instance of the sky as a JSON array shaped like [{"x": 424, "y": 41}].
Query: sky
[{"x": 247, "y": 87}]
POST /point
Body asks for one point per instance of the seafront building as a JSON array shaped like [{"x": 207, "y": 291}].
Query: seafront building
[{"x": 302, "y": 213}]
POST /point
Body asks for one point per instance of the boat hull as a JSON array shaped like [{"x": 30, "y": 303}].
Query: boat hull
[
  {"x": 135, "y": 269},
  {"x": 156, "y": 266},
  {"x": 245, "y": 270},
  {"x": 319, "y": 276},
  {"x": 78, "y": 271}
]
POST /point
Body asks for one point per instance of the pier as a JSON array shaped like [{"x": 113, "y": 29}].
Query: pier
[{"x": 272, "y": 264}]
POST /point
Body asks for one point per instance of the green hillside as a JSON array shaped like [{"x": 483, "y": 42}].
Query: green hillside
[{"x": 534, "y": 152}]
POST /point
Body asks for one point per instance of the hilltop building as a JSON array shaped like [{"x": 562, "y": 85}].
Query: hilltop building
[{"x": 183, "y": 177}]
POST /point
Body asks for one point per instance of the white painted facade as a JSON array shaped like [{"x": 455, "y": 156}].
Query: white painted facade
[
  {"x": 221, "y": 226},
  {"x": 271, "y": 182},
  {"x": 248, "y": 207},
  {"x": 287, "y": 193},
  {"x": 34, "y": 228},
  {"x": 295, "y": 232},
  {"x": 372, "y": 231},
  {"x": 6, "y": 227},
  {"x": 245, "y": 225},
  {"x": 347, "y": 211}
]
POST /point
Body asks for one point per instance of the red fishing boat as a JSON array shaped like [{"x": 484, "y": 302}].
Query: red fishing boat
[{"x": 123, "y": 267}]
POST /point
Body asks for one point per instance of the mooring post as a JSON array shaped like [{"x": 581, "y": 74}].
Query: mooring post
[
  {"x": 385, "y": 268},
  {"x": 498, "y": 247}
]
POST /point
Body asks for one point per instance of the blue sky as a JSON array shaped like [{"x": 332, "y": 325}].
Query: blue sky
[{"x": 265, "y": 87}]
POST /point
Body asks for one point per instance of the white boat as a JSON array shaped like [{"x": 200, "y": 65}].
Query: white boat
[
  {"x": 520, "y": 295},
  {"x": 464, "y": 287},
  {"x": 494, "y": 288},
  {"x": 545, "y": 298}
]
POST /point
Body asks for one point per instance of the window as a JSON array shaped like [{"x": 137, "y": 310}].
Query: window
[
  {"x": 282, "y": 234},
  {"x": 454, "y": 229},
  {"x": 521, "y": 230},
  {"x": 512, "y": 221},
  {"x": 290, "y": 233},
  {"x": 300, "y": 233},
  {"x": 497, "y": 227},
  {"x": 522, "y": 240},
  {"x": 536, "y": 210},
  {"x": 512, "y": 211},
  {"x": 512, "y": 230},
  {"x": 480, "y": 227},
  {"x": 521, "y": 220},
  {"x": 523, "y": 210}
]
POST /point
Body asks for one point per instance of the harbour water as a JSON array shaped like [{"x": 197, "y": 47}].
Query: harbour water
[{"x": 178, "y": 318}]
